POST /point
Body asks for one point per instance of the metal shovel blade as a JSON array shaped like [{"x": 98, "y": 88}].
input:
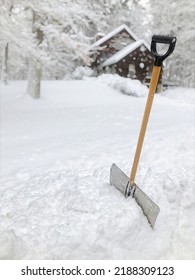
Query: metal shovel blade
[{"x": 120, "y": 180}]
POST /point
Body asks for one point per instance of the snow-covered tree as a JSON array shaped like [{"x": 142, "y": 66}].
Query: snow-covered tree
[
  {"x": 5, "y": 7},
  {"x": 14, "y": 38},
  {"x": 176, "y": 18},
  {"x": 131, "y": 13}
]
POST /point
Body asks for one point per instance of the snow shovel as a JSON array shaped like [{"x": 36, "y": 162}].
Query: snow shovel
[{"x": 119, "y": 179}]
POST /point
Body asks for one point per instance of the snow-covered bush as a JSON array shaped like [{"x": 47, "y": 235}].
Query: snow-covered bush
[
  {"x": 81, "y": 72},
  {"x": 124, "y": 85}
]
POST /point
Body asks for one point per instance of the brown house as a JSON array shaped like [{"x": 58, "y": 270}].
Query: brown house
[{"x": 121, "y": 52}]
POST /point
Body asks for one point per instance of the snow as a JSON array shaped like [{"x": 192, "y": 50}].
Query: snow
[
  {"x": 56, "y": 153},
  {"x": 122, "y": 84},
  {"x": 112, "y": 34},
  {"x": 80, "y": 73},
  {"x": 124, "y": 52}
]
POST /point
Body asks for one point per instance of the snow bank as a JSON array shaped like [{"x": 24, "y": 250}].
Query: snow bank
[{"x": 124, "y": 85}]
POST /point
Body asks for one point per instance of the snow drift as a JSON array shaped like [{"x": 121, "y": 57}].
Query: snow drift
[{"x": 124, "y": 85}]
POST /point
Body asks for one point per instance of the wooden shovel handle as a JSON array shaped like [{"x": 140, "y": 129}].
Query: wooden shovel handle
[{"x": 152, "y": 89}]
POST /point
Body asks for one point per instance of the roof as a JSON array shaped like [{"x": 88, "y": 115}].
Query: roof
[
  {"x": 112, "y": 34},
  {"x": 124, "y": 52}
]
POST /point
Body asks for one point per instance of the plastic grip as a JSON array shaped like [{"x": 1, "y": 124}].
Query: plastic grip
[
  {"x": 171, "y": 41},
  {"x": 162, "y": 39}
]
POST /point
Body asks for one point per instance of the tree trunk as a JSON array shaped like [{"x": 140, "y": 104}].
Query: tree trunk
[
  {"x": 4, "y": 72},
  {"x": 34, "y": 66},
  {"x": 34, "y": 78}
]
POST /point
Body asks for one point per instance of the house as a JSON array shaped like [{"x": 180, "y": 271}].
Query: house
[{"x": 121, "y": 52}]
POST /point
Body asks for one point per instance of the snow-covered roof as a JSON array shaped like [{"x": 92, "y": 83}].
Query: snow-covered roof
[
  {"x": 124, "y": 52},
  {"x": 112, "y": 34}
]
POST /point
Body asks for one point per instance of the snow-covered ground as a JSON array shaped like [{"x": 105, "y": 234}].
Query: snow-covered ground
[{"x": 56, "y": 154}]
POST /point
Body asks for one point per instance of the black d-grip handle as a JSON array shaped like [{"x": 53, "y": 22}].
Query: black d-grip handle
[{"x": 171, "y": 41}]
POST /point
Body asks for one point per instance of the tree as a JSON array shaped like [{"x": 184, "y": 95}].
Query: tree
[
  {"x": 8, "y": 5},
  {"x": 176, "y": 18},
  {"x": 14, "y": 38},
  {"x": 4, "y": 73}
]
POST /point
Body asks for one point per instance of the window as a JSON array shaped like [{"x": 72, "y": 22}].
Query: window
[{"x": 132, "y": 70}]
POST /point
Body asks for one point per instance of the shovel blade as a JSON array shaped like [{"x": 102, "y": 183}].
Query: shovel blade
[{"x": 120, "y": 180}]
